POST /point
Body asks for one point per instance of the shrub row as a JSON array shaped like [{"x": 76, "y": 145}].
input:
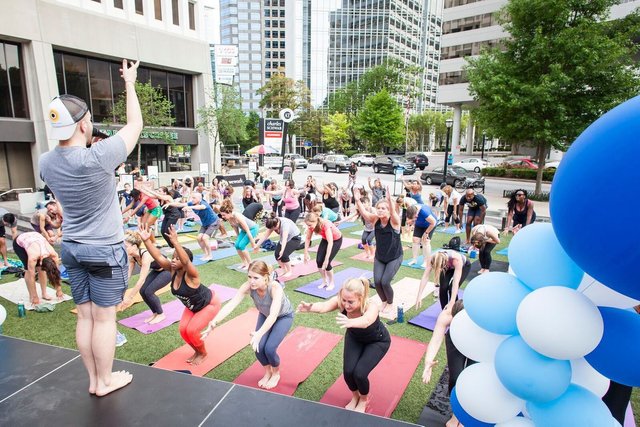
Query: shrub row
[
  {"x": 547, "y": 175},
  {"x": 543, "y": 197}
]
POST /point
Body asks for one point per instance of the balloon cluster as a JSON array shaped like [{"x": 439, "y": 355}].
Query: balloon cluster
[{"x": 548, "y": 338}]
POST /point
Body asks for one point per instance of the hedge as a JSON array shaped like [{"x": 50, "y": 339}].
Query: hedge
[
  {"x": 547, "y": 175},
  {"x": 543, "y": 197}
]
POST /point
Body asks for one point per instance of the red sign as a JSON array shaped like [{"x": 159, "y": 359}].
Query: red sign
[{"x": 273, "y": 135}]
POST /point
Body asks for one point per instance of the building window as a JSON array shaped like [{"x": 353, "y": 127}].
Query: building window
[
  {"x": 99, "y": 83},
  {"x": 139, "y": 7},
  {"x": 157, "y": 6},
  {"x": 175, "y": 7},
  {"x": 13, "y": 95},
  {"x": 118, "y": 4},
  {"x": 97, "y": 1},
  {"x": 192, "y": 16}
]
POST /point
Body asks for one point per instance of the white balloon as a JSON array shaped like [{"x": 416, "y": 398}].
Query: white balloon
[
  {"x": 517, "y": 422},
  {"x": 473, "y": 341},
  {"x": 559, "y": 322},
  {"x": 583, "y": 374},
  {"x": 3, "y": 315},
  {"x": 604, "y": 296},
  {"x": 482, "y": 395}
]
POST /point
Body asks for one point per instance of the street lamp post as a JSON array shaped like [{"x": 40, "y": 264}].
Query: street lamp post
[
  {"x": 449, "y": 123},
  {"x": 484, "y": 140}
]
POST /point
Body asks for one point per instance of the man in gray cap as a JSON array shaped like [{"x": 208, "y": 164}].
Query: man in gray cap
[{"x": 92, "y": 245}]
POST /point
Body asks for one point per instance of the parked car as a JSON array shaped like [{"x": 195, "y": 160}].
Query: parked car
[
  {"x": 552, "y": 165},
  {"x": 472, "y": 164},
  {"x": 300, "y": 161},
  {"x": 363, "y": 159},
  {"x": 456, "y": 176},
  {"x": 318, "y": 158},
  {"x": 522, "y": 164},
  {"x": 419, "y": 159},
  {"x": 339, "y": 162},
  {"x": 389, "y": 163}
]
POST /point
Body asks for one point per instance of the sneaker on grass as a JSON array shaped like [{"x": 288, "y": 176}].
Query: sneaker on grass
[{"x": 120, "y": 339}]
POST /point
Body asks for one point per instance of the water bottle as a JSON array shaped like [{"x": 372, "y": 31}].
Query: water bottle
[
  {"x": 401, "y": 313},
  {"x": 22, "y": 312}
]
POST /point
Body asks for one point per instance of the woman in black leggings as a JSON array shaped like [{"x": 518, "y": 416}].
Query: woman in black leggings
[
  {"x": 389, "y": 253},
  {"x": 366, "y": 340},
  {"x": 450, "y": 269},
  {"x": 485, "y": 238},
  {"x": 327, "y": 249},
  {"x": 290, "y": 240}
]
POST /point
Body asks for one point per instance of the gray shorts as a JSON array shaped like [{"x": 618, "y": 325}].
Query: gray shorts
[
  {"x": 96, "y": 273},
  {"x": 209, "y": 230}
]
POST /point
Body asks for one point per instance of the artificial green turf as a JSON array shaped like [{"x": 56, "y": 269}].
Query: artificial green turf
[{"x": 58, "y": 328}]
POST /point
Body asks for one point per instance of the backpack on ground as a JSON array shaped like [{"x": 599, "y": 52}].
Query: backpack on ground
[{"x": 453, "y": 244}]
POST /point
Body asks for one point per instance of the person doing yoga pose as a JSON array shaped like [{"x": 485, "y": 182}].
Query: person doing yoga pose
[
  {"x": 328, "y": 248},
  {"x": 366, "y": 340},
  {"x": 289, "y": 240},
  {"x": 275, "y": 317},
  {"x": 485, "y": 237},
  {"x": 450, "y": 269}
]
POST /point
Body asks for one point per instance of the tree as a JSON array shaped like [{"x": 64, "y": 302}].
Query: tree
[
  {"x": 253, "y": 121},
  {"x": 380, "y": 122},
  {"x": 309, "y": 124},
  {"x": 156, "y": 111},
  {"x": 562, "y": 68},
  {"x": 336, "y": 133},
  {"x": 283, "y": 92}
]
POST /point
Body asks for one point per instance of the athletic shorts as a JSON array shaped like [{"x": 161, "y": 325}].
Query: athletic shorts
[
  {"x": 3, "y": 232},
  {"x": 472, "y": 213},
  {"x": 210, "y": 229},
  {"x": 157, "y": 211},
  {"x": 419, "y": 231},
  {"x": 97, "y": 273}
]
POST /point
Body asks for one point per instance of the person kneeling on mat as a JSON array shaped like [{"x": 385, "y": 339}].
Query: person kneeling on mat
[
  {"x": 201, "y": 304},
  {"x": 275, "y": 317},
  {"x": 366, "y": 340}
]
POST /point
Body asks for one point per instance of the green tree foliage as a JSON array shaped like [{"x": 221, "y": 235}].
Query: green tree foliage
[
  {"x": 380, "y": 123},
  {"x": 253, "y": 120},
  {"x": 563, "y": 67},
  {"x": 156, "y": 111},
  {"x": 283, "y": 92},
  {"x": 336, "y": 133},
  {"x": 309, "y": 125}
]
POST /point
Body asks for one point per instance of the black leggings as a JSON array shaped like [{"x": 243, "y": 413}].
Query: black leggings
[
  {"x": 617, "y": 398},
  {"x": 383, "y": 274},
  {"x": 291, "y": 246},
  {"x": 167, "y": 222},
  {"x": 293, "y": 215},
  {"x": 155, "y": 281},
  {"x": 450, "y": 214},
  {"x": 322, "y": 253},
  {"x": 445, "y": 283},
  {"x": 277, "y": 207},
  {"x": 360, "y": 359},
  {"x": 456, "y": 361},
  {"x": 485, "y": 255}
]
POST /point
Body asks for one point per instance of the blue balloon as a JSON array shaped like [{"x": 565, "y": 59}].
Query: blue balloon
[
  {"x": 576, "y": 407},
  {"x": 617, "y": 355},
  {"x": 492, "y": 300},
  {"x": 464, "y": 418},
  {"x": 537, "y": 259},
  {"x": 528, "y": 374},
  {"x": 598, "y": 159}
]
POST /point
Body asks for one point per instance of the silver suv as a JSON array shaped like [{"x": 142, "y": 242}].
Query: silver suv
[
  {"x": 300, "y": 161},
  {"x": 339, "y": 162},
  {"x": 363, "y": 159}
]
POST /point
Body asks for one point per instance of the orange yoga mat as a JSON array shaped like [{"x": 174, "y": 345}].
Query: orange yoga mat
[
  {"x": 300, "y": 354},
  {"x": 388, "y": 380},
  {"x": 222, "y": 343}
]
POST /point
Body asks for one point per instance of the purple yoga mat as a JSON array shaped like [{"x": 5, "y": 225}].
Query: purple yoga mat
[
  {"x": 427, "y": 319},
  {"x": 629, "y": 420},
  {"x": 339, "y": 278},
  {"x": 172, "y": 310}
]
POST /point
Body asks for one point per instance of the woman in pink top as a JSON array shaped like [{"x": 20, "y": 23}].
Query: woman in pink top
[
  {"x": 290, "y": 199},
  {"x": 37, "y": 255},
  {"x": 328, "y": 248}
]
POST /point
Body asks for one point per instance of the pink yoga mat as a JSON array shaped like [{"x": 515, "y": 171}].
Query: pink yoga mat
[
  {"x": 172, "y": 310},
  {"x": 302, "y": 269},
  {"x": 388, "y": 380},
  {"x": 347, "y": 242},
  {"x": 362, "y": 257},
  {"x": 300, "y": 354}
]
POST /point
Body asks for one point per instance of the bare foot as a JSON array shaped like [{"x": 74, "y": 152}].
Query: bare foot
[
  {"x": 322, "y": 285},
  {"x": 193, "y": 356},
  {"x": 6, "y": 264},
  {"x": 287, "y": 274},
  {"x": 264, "y": 379},
  {"x": 92, "y": 385},
  {"x": 199, "y": 359},
  {"x": 362, "y": 404},
  {"x": 352, "y": 404},
  {"x": 331, "y": 286},
  {"x": 206, "y": 258},
  {"x": 273, "y": 381},
  {"x": 46, "y": 297},
  {"x": 149, "y": 319},
  {"x": 157, "y": 319},
  {"x": 119, "y": 379}
]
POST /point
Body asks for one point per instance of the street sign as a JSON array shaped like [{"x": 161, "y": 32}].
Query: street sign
[
  {"x": 308, "y": 143},
  {"x": 286, "y": 115}
]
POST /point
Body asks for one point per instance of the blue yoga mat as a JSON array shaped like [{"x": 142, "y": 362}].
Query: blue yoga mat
[
  {"x": 346, "y": 225},
  {"x": 448, "y": 230},
  {"x": 224, "y": 253},
  {"x": 339, "y": 278},
  {"x": 504, "y": 251}
]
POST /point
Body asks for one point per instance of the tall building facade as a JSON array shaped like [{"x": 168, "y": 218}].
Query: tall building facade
[
  {"x": 365, "y": 33},
  {"x": 50, "y": 47}
]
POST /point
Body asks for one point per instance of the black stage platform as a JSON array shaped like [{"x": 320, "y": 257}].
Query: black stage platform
[{"x": 46, "y": 385}]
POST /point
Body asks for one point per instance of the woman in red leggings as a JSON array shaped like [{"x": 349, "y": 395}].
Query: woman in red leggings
[{"x": 201, "y": 304}]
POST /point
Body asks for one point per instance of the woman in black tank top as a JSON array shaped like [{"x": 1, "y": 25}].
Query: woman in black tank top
[
  {"x": 366, "y": 340},
  {"x": 389, "y": 253},
  {"x": 201, "y": 304}
]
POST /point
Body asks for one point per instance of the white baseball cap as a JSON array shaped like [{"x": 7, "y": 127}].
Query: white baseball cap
[{"x": 65, "y": 111}]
